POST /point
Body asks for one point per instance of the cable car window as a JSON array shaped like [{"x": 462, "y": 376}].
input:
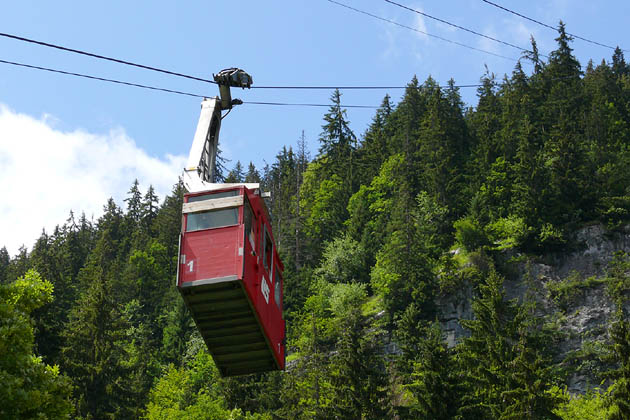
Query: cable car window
[
  {"x": 248, "y": 220},
  {"x": 212, "y": 219},
  {"x": 267, "y": 251},
  {"x": 222, "y": 194},
  {"x": 277, "y": 291}
]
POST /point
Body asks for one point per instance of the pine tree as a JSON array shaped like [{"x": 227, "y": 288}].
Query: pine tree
[
  {"x": 374, "y": 149},
  {"x": 4, "y": 264},
  {"x": 94, "y": 350},
  {"x": 302, "y": 159},
  {"x": 485, "y": 123},
  {"x": 620, "y": 334},
  {"x": 569, "y": 194},
  {"x": 337, "y": 141},
  {"x": 168, "y": 223},
  {"x": 236, "y": 175},
  {"x": 50, "y": 318},
  {"x": 619, "y": 66},
  {"x": 505, "y": 376},
  {"x": 434, "y": 381},
  {"x": 619, "y": 349},
  {"x": 178, "y": 328},
  {"x": 442, "y": 148},
  {"x": 252, "y": 176},
  {"x": 134, "y": 203},
  {"x": 94, "y": 353},
  {"x": 19, "y": 265},
  {"x": 149, "y": 206},
  {"x": 404, "y": 269},
  {"x": 357, "y": 371}
]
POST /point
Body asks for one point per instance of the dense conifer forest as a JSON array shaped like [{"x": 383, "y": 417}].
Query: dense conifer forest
[{"x": 373, "y": 231}]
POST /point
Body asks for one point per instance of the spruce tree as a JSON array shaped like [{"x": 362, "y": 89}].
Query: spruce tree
[
  {"x": 252, "y": 175},
  {"x": 620, "y": 335},
  {"x": 619, "y": 349},
  {"x": 134, "y": 203},
  {"x": 619, "y": 66},
  {"x": 18, "y": 265},
  {"x": 374, "y": 149},
  {"x": 236, "y": 175},
  {"x": 505, "y": 377},
  {"x": 4, "y": 264},
  {"x": 433, "y": 379},
  {"x": 168, "y": 223},
  {"x": 337, "y": 141},
  {"x": 357, "y": 371},
  {"x": 149, "y": 207},
  {"x": 94, "y": 353}
]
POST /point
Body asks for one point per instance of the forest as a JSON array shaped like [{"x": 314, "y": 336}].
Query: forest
[{"x": 374, "y": 231}]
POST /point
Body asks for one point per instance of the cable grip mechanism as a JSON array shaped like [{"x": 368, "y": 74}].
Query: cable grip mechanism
[{"x": 232, "y": 77}]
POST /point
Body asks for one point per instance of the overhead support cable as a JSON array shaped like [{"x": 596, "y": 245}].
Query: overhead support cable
[
  {"x": 172, "y": 73},
  {"x": 313, "y": 105},
  {"x": 421, "y": 32},
  {"x": 332, "y": 87},
  {"x": 178, "y": 92},
  {"x": 196, "y": 95},
  {"x": 102, "y": 57},
  {"x": 546, "y": 25},
  {"x": 102, "y": 79},
  {"x": 458, "y": 26}
]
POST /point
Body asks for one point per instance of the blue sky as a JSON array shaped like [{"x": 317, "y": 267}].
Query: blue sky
[{"x": 59, "y": 133}]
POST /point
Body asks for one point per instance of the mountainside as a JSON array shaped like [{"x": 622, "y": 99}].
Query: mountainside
[{"x": 451, "y": 263}]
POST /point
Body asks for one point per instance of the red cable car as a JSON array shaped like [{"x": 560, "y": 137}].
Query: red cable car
[
  {"x": 229, "y": 273},
  {"x": 230, "y": 277}
]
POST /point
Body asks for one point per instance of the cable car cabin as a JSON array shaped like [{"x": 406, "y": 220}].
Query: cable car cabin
[{"x": 230, "y": 277}]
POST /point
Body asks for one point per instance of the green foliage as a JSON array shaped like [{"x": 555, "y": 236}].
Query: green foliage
[
  {"x": 618, "y": 278},
  {"x": 551, "y": 236},
  {"x": 505, "y": 375},
  {"x": 328, "y": 210},
  {"x": 620, "y": 398},
  {"x": 4, "y": 264},
  {"x": 434, "y": 384},
  {"x": 508, "y": 232},
  {"x": 343, "y": 261},
  {"x": 30, "y": 388},
  {"x": 469, "y": 234},
  {"x": 348, "y": 382},
  {"x": 591, "y": 406},
  {"x": 567, "y": 291},
  {"x": 618, "y": 287},
  {"x": 192, "y": 392}
]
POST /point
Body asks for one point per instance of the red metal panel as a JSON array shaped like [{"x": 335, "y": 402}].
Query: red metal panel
[
  {"x": 260, "y": 283},
  {"x": 227, "y": 251},
  {"x": 211, "y": 253}
]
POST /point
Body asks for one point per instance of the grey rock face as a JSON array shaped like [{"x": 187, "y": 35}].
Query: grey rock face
[{"x": 583, "y": 320}]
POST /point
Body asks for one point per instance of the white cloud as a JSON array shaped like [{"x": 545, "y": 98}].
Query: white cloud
[
  {"x": 392, "y": 50},
  {"x": 420, "y": 25},
  {"x": 45, "y": 173},
  {"x": 397, "y": 39},
  {"x": 488, "y": 44},
  {"x": 522, "y": 33}
]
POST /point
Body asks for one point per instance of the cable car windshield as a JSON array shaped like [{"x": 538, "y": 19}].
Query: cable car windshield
[{"x": 212, "y": 219}]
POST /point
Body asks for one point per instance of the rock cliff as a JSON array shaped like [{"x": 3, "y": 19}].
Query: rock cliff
[{"x": 570, "y": 290}]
